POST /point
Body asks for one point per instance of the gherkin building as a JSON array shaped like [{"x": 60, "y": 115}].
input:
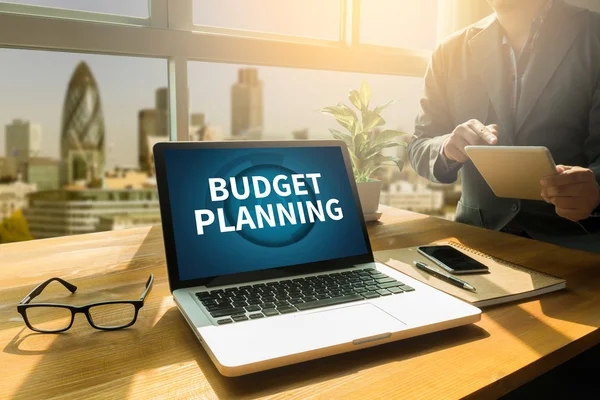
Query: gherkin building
[{"x": 82, "y": 131}]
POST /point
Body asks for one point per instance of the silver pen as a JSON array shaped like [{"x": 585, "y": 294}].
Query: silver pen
[{"x": 450, "y": 279}]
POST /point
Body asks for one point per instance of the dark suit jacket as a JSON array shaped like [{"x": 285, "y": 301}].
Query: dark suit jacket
[{"x": 559, "y": 108}]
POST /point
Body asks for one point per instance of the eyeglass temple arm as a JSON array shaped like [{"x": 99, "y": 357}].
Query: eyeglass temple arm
[
  {"x": 39, "y": 288},
  {"x": 148, "y": 287}
]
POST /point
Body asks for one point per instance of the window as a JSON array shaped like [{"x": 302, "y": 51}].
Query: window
[
  {"x": 283, "y": 103},
  {"x": 130, "y": 8},
  {"x": 76, "y": 131},
  {"x": 307, "y": 18},
  {"x": 141, "y": 77},
  {"x": 291, "y": 98},
  {"x": 399, "y": 23}
]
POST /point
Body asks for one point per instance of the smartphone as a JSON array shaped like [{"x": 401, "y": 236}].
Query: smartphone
[{"x": 451, "y": 259}]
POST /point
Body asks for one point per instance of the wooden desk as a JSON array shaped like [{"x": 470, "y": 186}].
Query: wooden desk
[{"x": 160, "y": 357}]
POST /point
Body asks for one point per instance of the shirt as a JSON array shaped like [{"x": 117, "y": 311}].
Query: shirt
[
  {"x": 518, "y": 63},
  {"x": 517, "y": 66}
]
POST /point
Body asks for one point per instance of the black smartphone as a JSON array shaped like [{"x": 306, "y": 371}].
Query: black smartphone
[{"x": 451, "y": 259}]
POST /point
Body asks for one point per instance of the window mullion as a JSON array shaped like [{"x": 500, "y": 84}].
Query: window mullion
[
  {"x": 355, "y": 24},
  {"x": 178, "y": 99},
  {"x": 343, "y": 37},
  {"x": 159, "y": 13},
  {"x": 180, "y": 14}
]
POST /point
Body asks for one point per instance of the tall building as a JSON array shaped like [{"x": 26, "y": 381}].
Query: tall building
[
  {"x": 152, "y": 140},
  {"x": 153, "y": 126},
  {"x": 82, "y": 147},
  {"x": 247, "y": 103},
  {"x": 146, "y": 128},
  {"x": 70, "y": 212},
  {"x": 162, "y": 112},
  {"x": 23, "y": 140},
  {"x": 43, "y": 172}
]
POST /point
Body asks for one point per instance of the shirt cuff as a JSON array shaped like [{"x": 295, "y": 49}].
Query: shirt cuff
[{"x": 443, "y": 169}]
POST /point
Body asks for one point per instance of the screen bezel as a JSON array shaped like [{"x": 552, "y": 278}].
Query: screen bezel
[{"x": 272, "y": 273}]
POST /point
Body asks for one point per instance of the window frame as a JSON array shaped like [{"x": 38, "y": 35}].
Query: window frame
[
  {"x": 169, "y": 33},
  {"x": 65, "y": 13}
]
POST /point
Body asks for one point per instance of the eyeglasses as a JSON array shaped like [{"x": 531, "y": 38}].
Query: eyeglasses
[{"x": 53, "y": 318}]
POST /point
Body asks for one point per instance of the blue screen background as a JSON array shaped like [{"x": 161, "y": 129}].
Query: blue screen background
[{"x": 219, "y": 253}]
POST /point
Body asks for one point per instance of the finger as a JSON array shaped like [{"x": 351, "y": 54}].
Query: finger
[
  {"x": 567, "y": 203},
  {"x": 470, "y": 136},
  {"x": 565, "y": 190},
  {"x": 456, "y": 149},
  {"x": 483, "y": 131},
  {"x": 562, "y": 168},
  {"x": 573, "y": 175},
  {"x": 546, "y": 198},
  {"x": 494, "y": 128},
  {"x": 571, "y": 215}
]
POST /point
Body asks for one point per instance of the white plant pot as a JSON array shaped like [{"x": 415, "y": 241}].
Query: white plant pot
[{"x": 369, "y": 193}]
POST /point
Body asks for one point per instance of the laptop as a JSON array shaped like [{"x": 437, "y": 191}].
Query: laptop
[{"x": 269, "y": 260}]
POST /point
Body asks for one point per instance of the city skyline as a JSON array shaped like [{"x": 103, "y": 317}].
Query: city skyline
[
  {"x": 125, "y": 98},
  {"x": 292, "y": 97},
  {"x": 128, "y": 84}
]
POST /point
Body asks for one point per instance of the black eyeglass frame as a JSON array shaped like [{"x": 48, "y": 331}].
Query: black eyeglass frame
[{"x": 25, "y": 304}]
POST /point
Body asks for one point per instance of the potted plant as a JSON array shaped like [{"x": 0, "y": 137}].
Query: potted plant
[{"x": 366, "y": 141}]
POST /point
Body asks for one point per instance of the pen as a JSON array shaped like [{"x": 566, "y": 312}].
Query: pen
[{"x": 450, "y": 279}]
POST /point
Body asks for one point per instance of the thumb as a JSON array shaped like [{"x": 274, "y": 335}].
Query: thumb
[{"x": 562, "y": 168}]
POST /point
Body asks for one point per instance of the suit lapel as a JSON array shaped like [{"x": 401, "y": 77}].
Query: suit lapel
[
  {"x": 556, "y": 37},
  {"x": 487, "y": 58}
]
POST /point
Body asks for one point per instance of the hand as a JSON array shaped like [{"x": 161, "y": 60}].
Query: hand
[
  {"x": 472, "y": 132},
  {"x": 574, "y": 192}
]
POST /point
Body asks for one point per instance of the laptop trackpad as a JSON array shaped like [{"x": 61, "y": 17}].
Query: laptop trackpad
[{"x": 296, "y": 333}]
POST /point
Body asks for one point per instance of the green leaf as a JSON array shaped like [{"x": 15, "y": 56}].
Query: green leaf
[
  {"x": 354, "y": 97},
  {"x": 387, "y": 136},
  {"x": 377, "y": 161},
  {"x": 379, "y": 109},
  {"x": 343, "y": 114},
  {"x": 372, "y": 164},
  {"x": 398, "y": 161},
  {"x": 377, "y": 149},
  {"x": 371, "y": 119},
  {"x": 341, "y": 136},
  {"x": 357, "y": 142},
  {"x": 370, "y": 171},
  {"x": 365, "y": 95}
]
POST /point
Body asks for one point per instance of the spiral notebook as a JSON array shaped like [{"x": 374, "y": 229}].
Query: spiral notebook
[{"x": 505, "y": 281}]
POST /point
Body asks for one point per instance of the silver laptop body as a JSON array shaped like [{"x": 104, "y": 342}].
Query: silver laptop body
[{"x": 260, "y": 318}]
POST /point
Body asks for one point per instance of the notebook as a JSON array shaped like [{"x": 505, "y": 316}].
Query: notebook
[{"x": 505, "y": 281}]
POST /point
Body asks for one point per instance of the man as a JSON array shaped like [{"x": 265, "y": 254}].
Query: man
[{"x": 529, "y": 75}]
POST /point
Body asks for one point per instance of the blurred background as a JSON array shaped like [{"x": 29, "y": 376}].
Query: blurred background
[{"x": 87, "y": 87}]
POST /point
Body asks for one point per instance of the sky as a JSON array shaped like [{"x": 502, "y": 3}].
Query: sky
[{"x": 292, "y": 97}]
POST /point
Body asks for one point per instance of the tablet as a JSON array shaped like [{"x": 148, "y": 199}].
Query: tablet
[{"x": 513, "y": 171}]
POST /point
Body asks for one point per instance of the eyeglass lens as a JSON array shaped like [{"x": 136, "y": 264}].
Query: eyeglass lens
[
  {"x": 112, "y": 315},
  {"x": 49, "y": 319}
]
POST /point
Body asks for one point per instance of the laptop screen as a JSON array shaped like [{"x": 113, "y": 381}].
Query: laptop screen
[{"x": 238, "y": 210}]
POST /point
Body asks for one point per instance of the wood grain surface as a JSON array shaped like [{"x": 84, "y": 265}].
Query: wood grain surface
[{"x": 160, "y": 358}]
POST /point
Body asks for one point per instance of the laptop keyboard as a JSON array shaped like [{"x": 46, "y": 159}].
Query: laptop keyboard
[{"x": 291, "y": 295}]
